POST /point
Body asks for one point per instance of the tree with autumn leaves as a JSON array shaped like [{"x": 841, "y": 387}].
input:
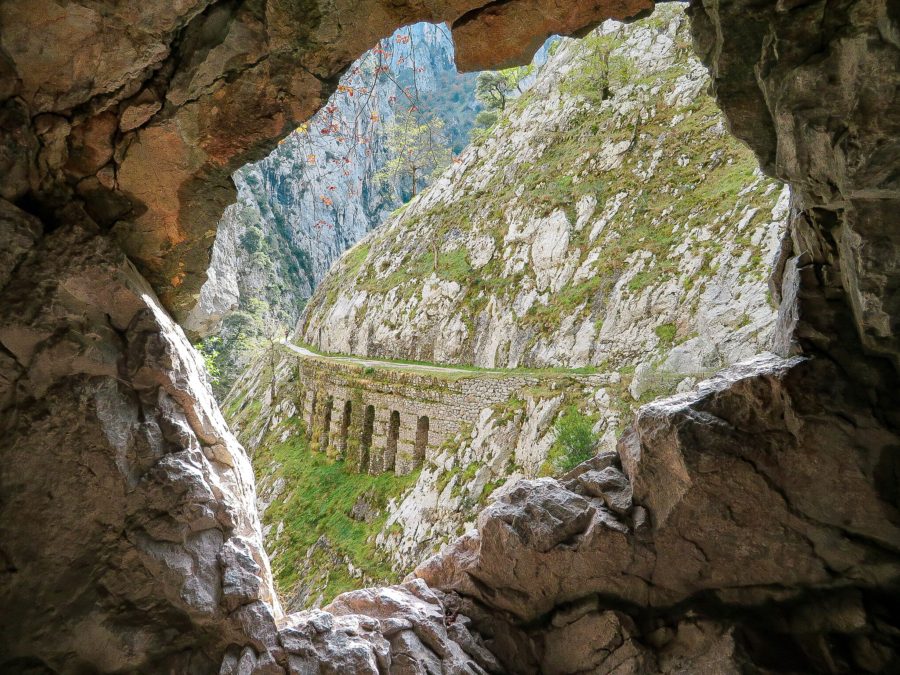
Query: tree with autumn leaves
[{"x": 418, "y": 150}]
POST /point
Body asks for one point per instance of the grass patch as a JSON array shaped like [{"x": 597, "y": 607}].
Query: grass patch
[
  {"x": 666, "y": 334},
  {"x": 316, "y": 502},
  {"x": 575, "y": 441},
  {"x": 454, "y": 265}
]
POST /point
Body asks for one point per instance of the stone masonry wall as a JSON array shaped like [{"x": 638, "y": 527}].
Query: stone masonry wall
[{"x": 334, "y": 400}]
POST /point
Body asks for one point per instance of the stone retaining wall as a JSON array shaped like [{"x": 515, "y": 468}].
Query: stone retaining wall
[{"x": 390, "y": 420}]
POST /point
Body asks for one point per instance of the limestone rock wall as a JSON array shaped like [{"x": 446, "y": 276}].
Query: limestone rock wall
[
  {"x": 128, "y": 509},
  {"x": 590, "y": 227},
  {"x": 280, "y": 207}
]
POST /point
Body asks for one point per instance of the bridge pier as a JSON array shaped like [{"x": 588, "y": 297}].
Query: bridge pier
[
  {"x": 370, "y": 439},
  {"x": 308, "y": 408},
  {"x": 379, "y": 441},
  {"x": 406, "y": 446},
  {"x": 386, "y": 420},
  {"x": 367, "y": 432}
]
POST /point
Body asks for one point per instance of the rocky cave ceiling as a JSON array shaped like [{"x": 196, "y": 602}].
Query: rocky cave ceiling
[{"x": 130, "y": 539}]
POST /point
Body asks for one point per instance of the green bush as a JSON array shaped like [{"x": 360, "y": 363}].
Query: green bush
[
  {"x": 252, "y": 239},
  {"x": 486, "y": 119},
  {"x": 666, "y": 333},
  {"x": 575, "y": 440},
  {"x": 209, "y": 349}
]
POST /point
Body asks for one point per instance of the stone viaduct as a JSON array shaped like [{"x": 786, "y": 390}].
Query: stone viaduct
[{"x": 382, "y": 419}]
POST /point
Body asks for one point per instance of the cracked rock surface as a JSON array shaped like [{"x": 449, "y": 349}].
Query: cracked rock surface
[
  {"x": 763, "y": 530},
  {"x": 127, "y": 503},
  {"x": 742, "y": 511}
]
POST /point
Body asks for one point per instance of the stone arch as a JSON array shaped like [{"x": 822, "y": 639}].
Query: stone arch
[
  {"x": 422, "y": 427},
  {"x": 365, "y": 444},
  {"x": 393, "y": 435},
  {"x": 345, "y": 424}
]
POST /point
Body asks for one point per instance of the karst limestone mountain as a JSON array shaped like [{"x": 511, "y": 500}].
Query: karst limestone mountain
[
  {"x": 608, "y": 217},
  {"x": 319, "y": 191},
  {"x": 608, "y": 241},
  {"x": 748, "y": 525}
]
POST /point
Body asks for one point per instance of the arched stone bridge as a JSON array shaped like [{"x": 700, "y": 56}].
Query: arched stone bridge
[{"x": 383, "y": 416}]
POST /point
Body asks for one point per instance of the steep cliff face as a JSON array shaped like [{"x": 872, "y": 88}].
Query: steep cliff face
[
  {"x": 121, "y": 123},
  {"x": 644, "y": 258},
  {"x": 154, "y": 524},
  {"x": 317, "y": 193},
  {"x": 321, "y": 190},
  {"x": 608, "y": 218}
]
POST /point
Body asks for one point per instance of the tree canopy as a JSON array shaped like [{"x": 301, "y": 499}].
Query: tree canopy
[
  {"x": 494, "y": 87},
  {"x": 418, "y": 149}
]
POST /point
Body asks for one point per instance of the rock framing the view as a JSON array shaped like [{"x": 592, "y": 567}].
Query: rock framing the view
[{"x": 763, "y": 527}]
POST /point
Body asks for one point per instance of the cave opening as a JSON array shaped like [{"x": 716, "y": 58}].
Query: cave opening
[
  {"x": 117, "y": 146},
  {"x": 393, "y": 435},
  {"x": 601, "y": 223}
]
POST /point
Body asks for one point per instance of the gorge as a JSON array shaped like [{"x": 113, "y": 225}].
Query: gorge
[
  {"x": 755, "y": 526},
  {"x": 585, "y": 240},
  {"x": 320, "y": 191}
]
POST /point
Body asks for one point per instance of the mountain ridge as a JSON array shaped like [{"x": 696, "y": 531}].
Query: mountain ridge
[{"x": 676, "y": 301}]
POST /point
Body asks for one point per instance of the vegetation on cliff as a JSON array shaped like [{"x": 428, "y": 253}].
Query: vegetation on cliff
[
  {"x": 399, "y": 113},
  {"x": 603, "y": 234},
  {"x": 330, "y": 517},
  {"x": 609, "y": 194}
]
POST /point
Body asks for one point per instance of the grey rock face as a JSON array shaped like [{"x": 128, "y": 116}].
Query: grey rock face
[
  {"x": 598, "y": 208},
  {"x": 611, "y": 485},
  {"x": 154, "y": 524},
  {"x": 772, "y": 489},
  {"x": 541, "y": 513}
]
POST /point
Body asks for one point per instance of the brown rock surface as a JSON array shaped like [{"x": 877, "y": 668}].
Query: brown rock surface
[
  {"x": 764, "y": 530},
  {"x": 504, "y": 34},
  {"x": 117, "y": 518},
  {"x": 182, "y": 96},
  {"x": 814, "y": 89}
]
